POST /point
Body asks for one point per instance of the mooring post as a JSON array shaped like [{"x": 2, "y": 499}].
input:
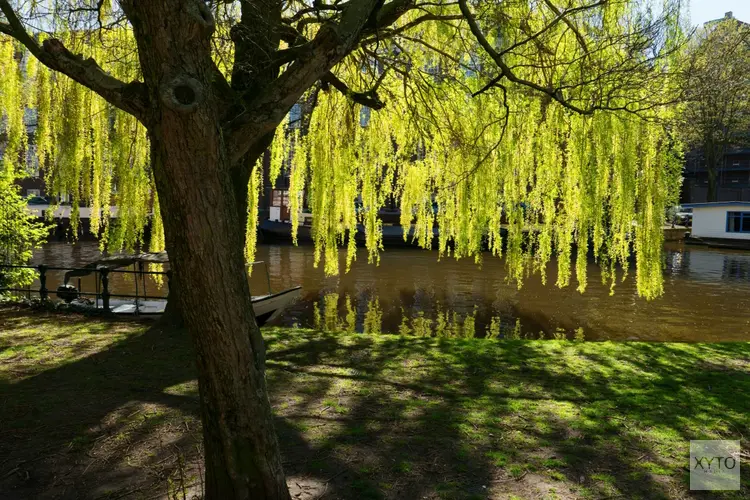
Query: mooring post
[
  {"x": 42, "y": 281},
  {"x": 105, "y": 288}
]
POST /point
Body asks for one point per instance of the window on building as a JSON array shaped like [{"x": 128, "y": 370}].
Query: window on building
[
  {"x": 364, "y": 116},
  {"x": 279, "y": 198},
  {"x": 738, "y": 222},
  {"x": 32, "y": 192},
  {"x": 32, "y": 162},
  {"x": 295, "y": 116}
]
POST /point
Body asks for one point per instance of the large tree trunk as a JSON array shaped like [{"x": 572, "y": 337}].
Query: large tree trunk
[
  {"x": 242, "y": 454},
  {"x": 204, "y": 241},
  {"x": 711, "y": 154},
  {"x": 711, "y": 193}
]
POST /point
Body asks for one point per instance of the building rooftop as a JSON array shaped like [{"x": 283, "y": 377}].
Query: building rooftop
[{"x": 717, "y": 204}]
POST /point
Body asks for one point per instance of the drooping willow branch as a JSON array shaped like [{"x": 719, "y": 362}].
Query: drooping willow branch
[{"x": 130, "y": 97}]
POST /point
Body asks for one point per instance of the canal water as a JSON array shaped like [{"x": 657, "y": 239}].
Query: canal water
[{"x": 707, "y": 295}]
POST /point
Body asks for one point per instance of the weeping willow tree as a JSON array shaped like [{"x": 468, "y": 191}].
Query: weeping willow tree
[{"x": 529, "y": 127}]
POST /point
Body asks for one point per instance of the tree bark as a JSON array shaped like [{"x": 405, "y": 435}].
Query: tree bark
[
  {"x": 204, "y": 240},
  {"x": 711, "y": 193},
  {"x": 172, "y": 316},
  {"x": 241, "y": 451},
  {"x": 711, "y": 154},
  {"x": 256, "y": 38}
]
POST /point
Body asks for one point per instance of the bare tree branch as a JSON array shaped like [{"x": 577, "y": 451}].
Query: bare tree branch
[
  {"x": 416, "y": 22},
  {"x": 564, "y": 17},
  {"x": 505, "y": 69},
  {"x": 560, "y": 16},
  {"x": 315, "y": 9},
  {"x": 492, "y": 83},
  {"x": 369, "y": 98},
  {"x": 6, "y": 29}
]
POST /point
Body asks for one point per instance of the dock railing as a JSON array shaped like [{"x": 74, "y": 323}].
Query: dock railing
[{"x": 101, "y": 278}]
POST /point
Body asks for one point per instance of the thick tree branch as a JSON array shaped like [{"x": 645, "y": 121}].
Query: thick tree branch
[
  {"x": 369, "y": 98},
  {"x": 332, "y": 43},
  {"x": 316, "y": 9},
  {"x": 291, "y": 54},
  {"x": 389, "y": 14},
  {"x": 416, "y": 22},
  {"x": 492, "y": 83},
  {"x": 130, "y": 97},
  {"x": 375, "y": 30},
  {"x": 256, "y": 39}
]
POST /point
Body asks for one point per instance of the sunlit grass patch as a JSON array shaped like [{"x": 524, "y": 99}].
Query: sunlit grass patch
[{"x": 45, "y": 341}]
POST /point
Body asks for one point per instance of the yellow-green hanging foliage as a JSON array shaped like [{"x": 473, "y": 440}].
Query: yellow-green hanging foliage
[
  {"x": 509, "y": 170},
  {"x": 12, "y": 106},
  {"x": 93, "y": 154},
  {"x": 254, "y": 189}
]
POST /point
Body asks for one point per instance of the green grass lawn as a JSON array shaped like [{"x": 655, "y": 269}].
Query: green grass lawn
[{"x": 95, "y": 408}]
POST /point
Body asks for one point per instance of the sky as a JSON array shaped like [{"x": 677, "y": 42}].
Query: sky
[{"x": 707, "y": 10}]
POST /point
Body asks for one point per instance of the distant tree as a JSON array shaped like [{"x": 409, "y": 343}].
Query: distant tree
[
  {"x": 506, "y": 115},
  {"x": 716, "y": 86}
]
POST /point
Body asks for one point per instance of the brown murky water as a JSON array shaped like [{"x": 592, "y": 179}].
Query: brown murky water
[{"x": 707, "y": 295}]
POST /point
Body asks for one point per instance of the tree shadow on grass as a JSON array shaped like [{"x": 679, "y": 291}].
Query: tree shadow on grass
[
  {"x": 379, "y": 417},
  {"x": 88, "y": 426},
  {"x": 377, "y": 437},
  {"x": 416, "y": 418}
]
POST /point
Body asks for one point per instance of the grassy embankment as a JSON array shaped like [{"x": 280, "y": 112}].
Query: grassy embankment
[{"x": 95, "y": 408}]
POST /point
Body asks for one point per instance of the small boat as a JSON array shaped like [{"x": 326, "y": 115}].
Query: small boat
[
  {"x": 269, "y": 307},
  {"x": 265, "y": 307}
]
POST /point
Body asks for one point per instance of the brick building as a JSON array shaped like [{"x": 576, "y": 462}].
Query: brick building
[{"x": 732, "y": 179}]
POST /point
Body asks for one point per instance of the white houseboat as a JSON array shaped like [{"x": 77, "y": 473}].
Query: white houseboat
[{"x": 721, "y": 223}]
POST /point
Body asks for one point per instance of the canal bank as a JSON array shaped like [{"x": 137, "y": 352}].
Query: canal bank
[{"x": 275, "y": 231}]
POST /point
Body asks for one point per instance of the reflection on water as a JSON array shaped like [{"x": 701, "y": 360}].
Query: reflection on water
[
  {"x": 334, "y": 312},
  {"x": 707, "y": 296}
]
